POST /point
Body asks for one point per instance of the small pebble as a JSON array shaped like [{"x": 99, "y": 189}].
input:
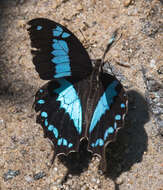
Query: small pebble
[
  {"x": 125, "y": 64},
  {"x": 53, "y": 187},
  {"x": 160, "y": 70},
  {"x": 21, "y": 23},
  {"x": 1, "y": 121},
  {"x": 28, "y": 179},
  {"x": 39, "y": 175},
  {"x": 10, "y": 174},
  {"x": 126, "y": 3},
  {"x": 119, "y": 181},
  {"x": 93, "y": 179},
  {"x": 152, "y": 63},
  {"x": 161, "y": 171}
]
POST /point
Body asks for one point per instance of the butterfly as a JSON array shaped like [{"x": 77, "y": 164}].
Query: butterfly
[{"x": 80, "y": 101}]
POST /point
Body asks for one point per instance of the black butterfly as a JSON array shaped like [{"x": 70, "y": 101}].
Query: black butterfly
[{"x": 79, "y": 101}]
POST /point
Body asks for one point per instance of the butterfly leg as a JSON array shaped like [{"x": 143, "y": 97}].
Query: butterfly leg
[
  {"x": 53, "y": 158},
  {"x": 103, "y": 162}
]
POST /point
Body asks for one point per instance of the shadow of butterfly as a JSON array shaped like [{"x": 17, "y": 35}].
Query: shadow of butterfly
[{"x": 80, "y": 101}]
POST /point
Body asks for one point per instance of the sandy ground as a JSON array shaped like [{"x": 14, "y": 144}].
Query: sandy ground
[{"x": 135, "y": 160}]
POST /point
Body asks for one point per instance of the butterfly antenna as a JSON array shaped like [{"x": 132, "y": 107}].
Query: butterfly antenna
[
  {"x": 111, "y": 41},
  {"x": 86, "y": 40}
]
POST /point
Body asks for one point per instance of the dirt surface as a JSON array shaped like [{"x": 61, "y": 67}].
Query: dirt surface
[{"x": 135, "y": 160}]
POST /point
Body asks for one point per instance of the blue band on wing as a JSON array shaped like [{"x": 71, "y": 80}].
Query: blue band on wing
[
  {"x": 60, "y": 52},
  {"x": 59, "y": 75},
  {"x": 70, "y": 101},
  {"x": 61, "y": 68},
  {"x": 61, "y": 59},
  {"x": 104, "y": 104}
]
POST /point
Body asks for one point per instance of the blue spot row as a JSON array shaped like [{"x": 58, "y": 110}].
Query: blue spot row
[
  {"x": 110, "y": 129},
  {"x": 56, "y": 32},
  {"x": 60, "y": 141},
  {"x": 99, "y": 142},
  {"x": 61, "y": 58},
  {"x": 54, "y": 130}
]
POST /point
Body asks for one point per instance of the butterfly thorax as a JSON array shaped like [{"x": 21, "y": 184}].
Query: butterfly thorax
[{"x": 94, "y": 89}]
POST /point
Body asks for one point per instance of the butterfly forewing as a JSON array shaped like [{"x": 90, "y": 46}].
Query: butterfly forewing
[{"x": 57, "y": 52}]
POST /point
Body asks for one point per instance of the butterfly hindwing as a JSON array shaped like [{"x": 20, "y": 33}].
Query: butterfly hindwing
[
  {"x": 108, "y": 114},
  {"x": 57, "y": 52},
  {"x": 60, "y": 114}
]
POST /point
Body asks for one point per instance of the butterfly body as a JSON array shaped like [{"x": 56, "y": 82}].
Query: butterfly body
[{"x": 80, "y": 101}]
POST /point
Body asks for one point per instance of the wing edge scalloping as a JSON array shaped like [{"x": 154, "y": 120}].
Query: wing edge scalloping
[{"x": 102, "y": 157}]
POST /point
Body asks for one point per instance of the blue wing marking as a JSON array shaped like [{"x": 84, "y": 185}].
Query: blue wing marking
[
  {"x": 61, "y": 59},
  {"x": 99, "y": 142},
  {"x": 59, "y": 75},
  {"x": 70, "y": 145},
  {"x": 60, "y": 52},
  {"x": 65, "y": 35},
  {"x": 59, "y": 28},
  {"x": 46, "y": 122},
  {"x": 104, "y": 104},
  {"x": 60, "y": 141},
  {"x": 123, "y": 105},
  {"x": 41, "y": 101},
  {"x": 117, "y": 117},
  {"x": 62, "y": 68},
  {"x": 108, "y": 131},
  {"x": 70, "y": 101},
  {"x": 39, "y": 27},
  {"x": 60, "y": 45},
  {"x": 44, "y": 114},
  {"x": 57, "y": 31}
]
